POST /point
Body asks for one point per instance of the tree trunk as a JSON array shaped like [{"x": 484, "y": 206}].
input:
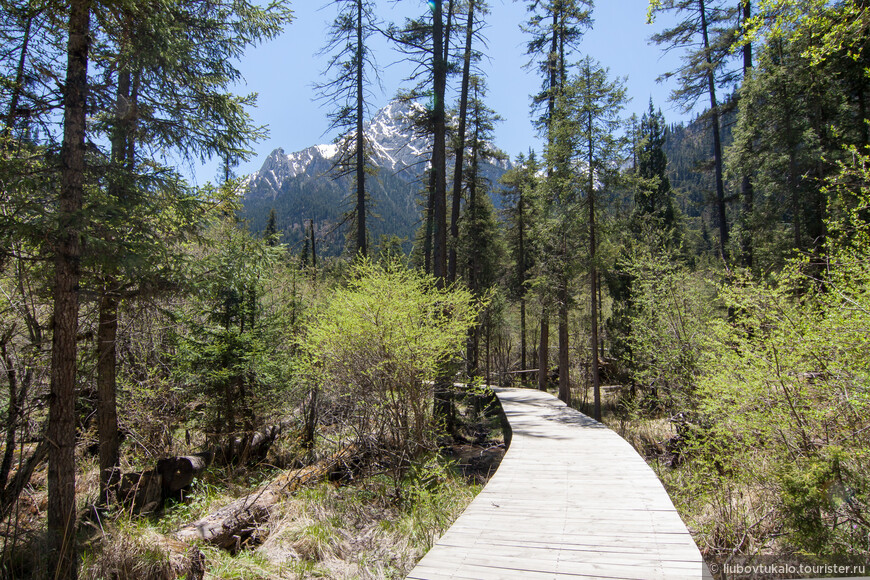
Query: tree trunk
[
  {"x": 593, "y": 282},
  {"x": 564, "y": 384},
  {"x": 107, "y": 330},
  {"x": 717, "y": 141},
  {"x": 747, "y": 192},
  {"x": 460, "y": 147},
  {"x": 430, "y": 225},
  {"x": 523, "y": 345},
  {"x": 543, "y": 352},
  {"x": 310, "y": 427},
  {"x": 313, "y": 252},
  {"x": 522, "y": 271},
  {"x": 12, "y": 414},
  {"x": 10, "y": 493},
  {"x": 178, "y": 473},
  {"x": 19, "y": 78},
  {"x": 107, "y": 414},
  {"x": 61, "y": 423},
  {"x": 442, "y": 392},
  {"x": 234, "y": 525},
  {"x": 361, "y": 238},
  {"x": 439, "y": 160}
]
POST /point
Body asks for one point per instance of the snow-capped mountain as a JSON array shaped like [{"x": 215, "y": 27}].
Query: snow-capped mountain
[
  {"x": 395, "y": 149},
  {"x": 300, "y": 186}
]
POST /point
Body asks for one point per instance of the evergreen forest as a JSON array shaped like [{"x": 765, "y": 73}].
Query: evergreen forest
[{"x": 184, "y": 395}]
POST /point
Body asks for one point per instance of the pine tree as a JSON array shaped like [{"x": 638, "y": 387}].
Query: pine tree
[
  {"x": 520, "y": 183},
  {"x": 354, "y": 69},
  {"x": 480, "y": 244},
  {"x": 426, "y": 42},
  {"x": 653, "y": 197},
  {"x": 707, "y": 34},
  {"x": 270, "y": 234},
  {"x": 585, "y": 155},
  {"x": 61, "y": 421},
  {"x": 161, "y": 100},
  {"x": 600, "y": 102},
  {"x": 475, "y": 9},
  {"x": 556, "y": 27}
]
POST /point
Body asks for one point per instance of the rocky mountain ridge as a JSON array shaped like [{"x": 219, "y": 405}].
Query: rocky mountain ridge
[{"x": 303, "y": 186}]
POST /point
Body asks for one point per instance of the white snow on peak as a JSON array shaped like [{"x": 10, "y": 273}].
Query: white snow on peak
[{"x": 327, "y": 151}]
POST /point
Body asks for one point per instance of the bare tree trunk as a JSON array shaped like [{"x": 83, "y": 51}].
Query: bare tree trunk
[
  {"x": 10, "y": 493},
  {"x": 442, "y": 392},
  {"x": 717, "y": 140},
  {"x": 107, "y": 414},
  {"x": 361, "y": 237},
  {"x": 107, "y": 330},
  {"x": 460, "y": 147},
  {"x": 310, "y": 427},
  {"x": 430, "y": 225},
  {"x": 523, "y": 336},
  {"x": 439, "y": 158},
  {"x": 522, "y": 268},
  {"x": 12, "y": 414},
  {"x": 61, "y": 423},
  {"x": 543, "y": 352},
  {"x": 564, "y": 386}
]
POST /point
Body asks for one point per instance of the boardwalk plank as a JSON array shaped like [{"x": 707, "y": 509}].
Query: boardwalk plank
[{"x": 571, "y": 499}]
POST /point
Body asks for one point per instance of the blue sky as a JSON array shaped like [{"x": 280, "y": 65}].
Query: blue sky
[{"x": 283, "y": 71}]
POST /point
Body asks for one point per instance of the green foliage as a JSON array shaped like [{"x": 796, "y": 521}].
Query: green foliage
[
  {"x": 376, "y": 345},
  {"x": 428, "y": 499},
  {"x": 556, "y": 29},
  {"x": 481, "y": 250},
  {"x": 231, "y": 350},
  {"x": 787, "y": 376},
  {"x": 705, "y": 31},
  {"x": 653, "y": 196},
  {"x": 671, "y": 308}
]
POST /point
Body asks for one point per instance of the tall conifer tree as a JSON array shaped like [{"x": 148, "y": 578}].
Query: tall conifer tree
[
  {"x": 706, "y": 33},
  {"x": 61, "y": 422},
  {"x": 354, "y": 69},
  {"x": 556, "y": 27}
]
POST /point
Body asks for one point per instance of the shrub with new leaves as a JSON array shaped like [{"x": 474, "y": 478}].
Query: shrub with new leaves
[
  {"x": 375, "y": 347},
  {"x": 787, "y": 382}
]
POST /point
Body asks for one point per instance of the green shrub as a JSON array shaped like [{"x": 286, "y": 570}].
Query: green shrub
[{"x": 376, "y": 346}]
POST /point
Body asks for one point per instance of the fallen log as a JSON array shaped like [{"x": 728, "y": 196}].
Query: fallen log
[
  {"x": 179, "y": 472},
  {"x": 145, "y": 491},
  {"x": 251, "y": 445},
  {"x": 239, "y": 523},
  {"x": 141, "y": 491}
]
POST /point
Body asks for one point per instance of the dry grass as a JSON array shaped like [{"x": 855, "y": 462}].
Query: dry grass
[{"x": 362, "y": 531}]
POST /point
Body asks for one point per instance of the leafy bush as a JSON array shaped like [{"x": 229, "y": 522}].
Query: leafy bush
[
  {"x": 788, "y": 377},
  {"x": 376, "y": 346},
  {"x": 671, "y": 308}
]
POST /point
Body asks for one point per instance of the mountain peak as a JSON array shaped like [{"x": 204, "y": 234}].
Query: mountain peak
[{"x": 302, "y": 185}]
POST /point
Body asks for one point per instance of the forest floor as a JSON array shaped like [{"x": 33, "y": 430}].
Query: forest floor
[{"x": 377, "y": 524}]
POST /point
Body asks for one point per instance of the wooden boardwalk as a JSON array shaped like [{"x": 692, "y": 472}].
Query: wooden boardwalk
[{"x": 571, "y": 499}]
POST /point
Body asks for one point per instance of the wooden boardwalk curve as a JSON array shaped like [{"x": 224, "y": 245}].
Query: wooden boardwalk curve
[{"x": 571, "y": 499}]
